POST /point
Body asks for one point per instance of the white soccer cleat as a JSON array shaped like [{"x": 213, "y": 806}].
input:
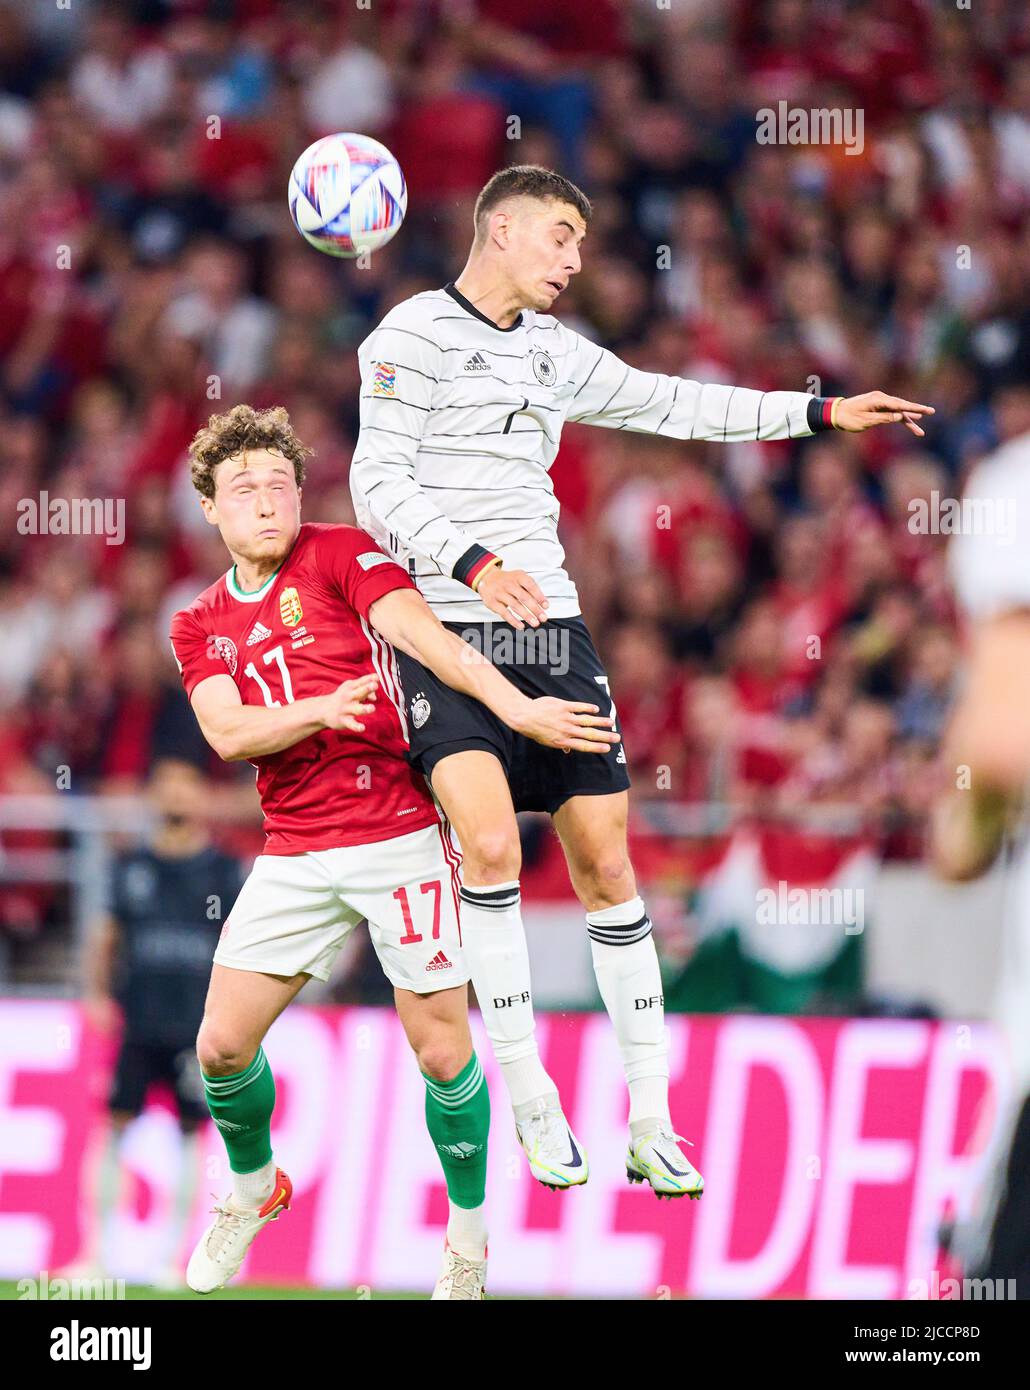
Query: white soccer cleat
[
  {"x": 460, "y": 1277},
  {"x": 555, "y": 1157},
  {"x": 220, "y": 1250},
  {"x": 657, "y": 1158}
]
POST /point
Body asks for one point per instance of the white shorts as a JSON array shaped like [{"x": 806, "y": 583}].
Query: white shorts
[{"x": 295, "y": 911}]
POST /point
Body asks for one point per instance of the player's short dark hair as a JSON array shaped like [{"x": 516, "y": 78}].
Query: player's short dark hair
[
  {"x": 528, "y": 181},
  {"x": 242, "y": 428}
]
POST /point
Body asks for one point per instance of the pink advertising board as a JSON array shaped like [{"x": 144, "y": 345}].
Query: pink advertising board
[{"x": 830, "y": 1150}]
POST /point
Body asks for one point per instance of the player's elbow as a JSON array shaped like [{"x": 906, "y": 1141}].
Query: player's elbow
[
  {"x": 227, "y": 744},
  {"x": 233, "y": 751}
]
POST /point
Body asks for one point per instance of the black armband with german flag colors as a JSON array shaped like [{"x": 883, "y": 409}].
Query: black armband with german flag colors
[
  {"x": 475, "y": 562},
  {"x": 820, "y": 413}
]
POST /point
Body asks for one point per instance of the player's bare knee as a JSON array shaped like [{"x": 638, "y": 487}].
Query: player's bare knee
[
  {"x": 606, "y": 882},
  {"x": 442, "y": 1059},
  {"x": 492, "y": 856},
  {"x": 220, "y": 1053}
]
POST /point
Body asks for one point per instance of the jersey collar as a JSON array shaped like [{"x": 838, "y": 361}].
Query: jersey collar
[
  {"x": 470, "y": 308},
  {"x": 257, "y": 595}
]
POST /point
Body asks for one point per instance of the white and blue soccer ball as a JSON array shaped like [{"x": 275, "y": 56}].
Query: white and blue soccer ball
[{"x": 347, "y": 195}]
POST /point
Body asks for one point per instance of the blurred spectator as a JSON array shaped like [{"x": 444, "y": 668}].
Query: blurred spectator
[
  {"x": 346, "y": 86},
  {"x": 776, "y": 621},
  {"x": 235, "y": 328},
  {"x": 119, "y": 79}
]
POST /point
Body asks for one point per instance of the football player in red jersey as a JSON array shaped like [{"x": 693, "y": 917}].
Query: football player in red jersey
[{"x": 284, "y": 660}]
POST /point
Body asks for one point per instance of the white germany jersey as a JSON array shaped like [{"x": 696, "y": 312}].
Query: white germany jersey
[{"x": 460, "y": 424}]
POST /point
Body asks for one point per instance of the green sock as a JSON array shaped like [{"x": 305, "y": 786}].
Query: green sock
[
  {"x": 458, "y": 1120},
  {"x": 241, "y": 1106}
]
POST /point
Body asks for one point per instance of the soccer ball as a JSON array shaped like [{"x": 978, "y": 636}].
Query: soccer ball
[{"x": 347, "y": 195}]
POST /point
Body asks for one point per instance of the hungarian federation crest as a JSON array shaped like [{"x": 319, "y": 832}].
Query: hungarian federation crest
[
  {"x": 544, "y": 369},
  {"x": 290, "y": 609}
]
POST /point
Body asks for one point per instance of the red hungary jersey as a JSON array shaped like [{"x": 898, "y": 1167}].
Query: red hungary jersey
[{"x": 302, "y": 633}]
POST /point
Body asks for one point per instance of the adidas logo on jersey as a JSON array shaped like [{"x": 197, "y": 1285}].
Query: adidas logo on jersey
[
  {"x": 258, "y": 633},
  {"x": 476, "y": 363},
  {"x": 440, "y": 962}
]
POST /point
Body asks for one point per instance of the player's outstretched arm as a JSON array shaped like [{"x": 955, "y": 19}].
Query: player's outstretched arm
[
  {"x": 616, "y": 396},
  {"x": 405, "y": 619},
  {"x": 237, "y": 731}
]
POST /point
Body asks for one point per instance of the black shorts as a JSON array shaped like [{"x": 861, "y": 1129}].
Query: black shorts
[
  {"x": 558, "y": 659},
  {"x": 142, "y": 1065}
]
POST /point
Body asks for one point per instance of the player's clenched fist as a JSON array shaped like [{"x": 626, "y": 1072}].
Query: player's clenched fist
[
  {"x": 349, "y": 701},
  {"x": 514, "y": 596},
  {"x": 571, "y": 726},
  {"x": 856, "y": 413}
]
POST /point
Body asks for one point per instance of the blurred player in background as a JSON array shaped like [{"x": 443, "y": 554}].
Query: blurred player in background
[
  {"x": 464, "y": 393},
  {"x": 283, "y": 658},
  {"x": 987, "y": 751},
  {"x": 148, "y": 961}
]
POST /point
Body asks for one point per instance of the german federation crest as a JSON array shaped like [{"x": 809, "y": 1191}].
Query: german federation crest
[
  {"x": 419, "y": 710},
  {"x": 544, "y": 369}
]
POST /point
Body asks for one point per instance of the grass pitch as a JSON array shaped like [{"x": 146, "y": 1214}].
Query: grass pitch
[{"x": 244, "y": 1292}]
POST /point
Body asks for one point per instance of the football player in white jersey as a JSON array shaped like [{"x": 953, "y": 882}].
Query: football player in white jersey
[
  {"x": 987, "y": 759},
  {"x": 464, "y": 394}
]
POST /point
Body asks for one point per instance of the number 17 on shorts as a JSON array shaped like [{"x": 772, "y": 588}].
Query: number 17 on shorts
[
  {"x": 295, "y": 912},
  {"x": 418, "y": 942}
]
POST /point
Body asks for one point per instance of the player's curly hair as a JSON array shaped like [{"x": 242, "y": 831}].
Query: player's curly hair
[
  {"x": 527, "y": 181},
  {"x": 243, "y": 428}
]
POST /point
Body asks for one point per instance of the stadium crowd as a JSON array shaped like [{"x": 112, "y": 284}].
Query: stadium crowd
[{"x": 777, "y": 630}]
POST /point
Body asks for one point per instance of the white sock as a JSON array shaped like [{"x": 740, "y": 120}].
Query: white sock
[
  {"x": 466, "y": 1231},
  {"x": 495, "y": 944},
  {"x": 630, "y": 982},
  {"x": 648, "y": 1103},
  {"x": 254, "y": 1189}
]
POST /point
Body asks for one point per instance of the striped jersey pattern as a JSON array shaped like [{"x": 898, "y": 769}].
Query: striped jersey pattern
[{"x": 461, "y": 421}]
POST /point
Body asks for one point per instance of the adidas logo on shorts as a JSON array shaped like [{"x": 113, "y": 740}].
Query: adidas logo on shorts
[
  {"x": 440, "y": 962},
  {"x": 476, "y": 363}
]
